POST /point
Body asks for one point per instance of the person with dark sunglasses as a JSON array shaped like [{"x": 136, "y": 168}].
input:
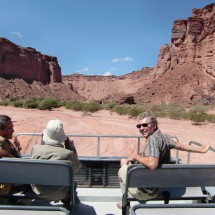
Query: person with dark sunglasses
[{"x": 155, "y": 153}]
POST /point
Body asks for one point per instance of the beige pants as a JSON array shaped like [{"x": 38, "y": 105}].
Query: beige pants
[{"x": 140, "y": 194}]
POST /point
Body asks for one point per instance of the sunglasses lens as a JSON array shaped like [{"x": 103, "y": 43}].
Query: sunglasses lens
[{"x": 143, "y": 125}]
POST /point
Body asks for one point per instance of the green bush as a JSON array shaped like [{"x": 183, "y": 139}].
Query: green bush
[
  {"x": 18, "y": 103},
  {"x": 199, "y": 109},
  {"x": 162, "y": 114},
  {"x": 30, "y": 103},
  {"x": 76, "y": 106},
  {"x": 4, "y": 103},
  {"x": 121, "y": 110},
  {"x": 109, "y": 106},
  {"x": 13, "y": 99},
  {"x": 175, "y": 112},
  {"x": 156, "y": 109},
  {"x": 48, "y": 104},
  {"x": 91, "y": 107},
  {"x": 134, "y": 112},
  {"x": 210, "y": 118},
  {"x": 81, "y": 106},
  {"x": 197, "y": 116}
]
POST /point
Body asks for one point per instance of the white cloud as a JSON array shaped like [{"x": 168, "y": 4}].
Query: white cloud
[
  {"x": 15, "y": 33},
  {"x": 127, "y": 59},
  {"x": 116, "y": 60},
  {"x": 82, "y": 70},
  {"x": 108, "y": 73}
]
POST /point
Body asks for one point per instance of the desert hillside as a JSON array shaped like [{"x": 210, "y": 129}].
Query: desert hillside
[{"x": 184, "y": 74}]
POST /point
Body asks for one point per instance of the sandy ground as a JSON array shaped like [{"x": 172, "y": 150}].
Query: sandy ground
[{"x": 107, "y": 123}]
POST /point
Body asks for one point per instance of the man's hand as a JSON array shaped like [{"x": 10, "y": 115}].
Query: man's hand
[
  {"x": 69, "y": 144},
  {"x": 131, "y": 159},
  {"x": 16, "y": 143},
  {"x": 205, "y": 148}
]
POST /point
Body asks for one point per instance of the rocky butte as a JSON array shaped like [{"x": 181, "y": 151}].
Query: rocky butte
[
  {"x": 184, "y": 74},
  {"x": 27, "y": 64}
]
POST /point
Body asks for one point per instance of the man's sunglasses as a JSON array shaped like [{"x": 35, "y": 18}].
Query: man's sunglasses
[{"x": 143, "y": 125}]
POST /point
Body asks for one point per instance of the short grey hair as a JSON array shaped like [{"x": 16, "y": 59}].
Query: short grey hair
[
  {"x": 151, "y": 117},
  {"x": 3, "y": 120}
]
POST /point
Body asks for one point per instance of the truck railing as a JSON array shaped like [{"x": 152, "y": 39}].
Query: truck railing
[
  {"x": 138, "y": 141},
  {"x": 98, "y": 137}
]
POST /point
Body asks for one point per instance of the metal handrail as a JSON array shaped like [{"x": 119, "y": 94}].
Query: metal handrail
[
  {"x": 198, "y": 144},
  {"x": 88, "y": 135},
  {"x": 105, "y": 136}
]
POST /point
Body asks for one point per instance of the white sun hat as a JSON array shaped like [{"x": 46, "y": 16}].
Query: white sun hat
[{"x": 54, "y": 132}]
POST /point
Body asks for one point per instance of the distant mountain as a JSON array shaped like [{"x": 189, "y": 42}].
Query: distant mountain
[{"x": 184, "y": 74}]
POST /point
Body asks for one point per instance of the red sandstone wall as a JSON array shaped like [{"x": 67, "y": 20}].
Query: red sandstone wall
[{"x": 27, "y": 64}]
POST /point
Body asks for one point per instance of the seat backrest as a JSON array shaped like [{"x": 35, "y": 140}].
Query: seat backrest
[
  {"x": 171, "y": 175},
  {"x": 35, "y": 210},
  {"x": 41, "y": 172}
]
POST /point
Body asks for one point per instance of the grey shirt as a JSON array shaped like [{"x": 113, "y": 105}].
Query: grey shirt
[
  {"x": 54, "y": 152},
  {"x": 159, "y": 145}
]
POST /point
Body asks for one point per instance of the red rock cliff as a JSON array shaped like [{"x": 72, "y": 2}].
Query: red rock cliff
[
  {"x": 27, "y": 64},
  {"x": 185, "y": 70},
  {"x": 192, "y": 41}
]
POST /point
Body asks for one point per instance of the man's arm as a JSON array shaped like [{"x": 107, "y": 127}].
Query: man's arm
[
  {"x": 189, "y": 148},
  {"x": 69, "y": 144},
  {"x": 149, "y": 162}
]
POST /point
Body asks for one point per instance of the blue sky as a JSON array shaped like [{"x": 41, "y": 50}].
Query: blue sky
[{"x": 95, "y": 37}]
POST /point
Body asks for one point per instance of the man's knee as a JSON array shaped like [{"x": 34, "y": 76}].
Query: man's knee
[
  {"x": 123, "y": 161},
  {"x": 122, "y": 173}
]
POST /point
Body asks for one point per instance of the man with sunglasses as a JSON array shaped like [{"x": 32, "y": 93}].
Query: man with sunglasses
[{"x": 155, "y": 153}]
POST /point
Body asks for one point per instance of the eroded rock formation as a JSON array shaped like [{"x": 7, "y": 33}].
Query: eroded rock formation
[
  {"x": 184, "y": 74},
  {"x": 185, "y": 70},
  {"x": 20, "y": 89},
  {"x": 192, "y": 41},
  {"x": 27, "y": 64}
]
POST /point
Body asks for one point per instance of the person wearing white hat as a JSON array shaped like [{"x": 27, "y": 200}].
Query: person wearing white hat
[{"x": 55, "y": 146}]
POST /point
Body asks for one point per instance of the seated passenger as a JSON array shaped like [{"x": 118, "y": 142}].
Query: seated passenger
[
  {"x": 155, "y": 153},
  {"x": 55, "y": 146},
  {"x": 7, "y": 148}
]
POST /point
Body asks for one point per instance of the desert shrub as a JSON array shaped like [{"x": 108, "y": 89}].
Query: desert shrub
[
  {"x": 156, "y": 109},
  {"x": 210, "y": 118},
  {"x": 162, "y": 114},
  {"x": 18, "y": 103},
  {"x": 76, "y": 106},
  {"x": 91, "y": 107},
  {"x": 82, "y": 106},
  {"x": 134, "y": 112},
  {"x": 4, "y": 103},
  {"x": 13, "y": 99},
  {"x": 109, "y": 106},
  {"x": 197, "y": 116},
  {"x": 48, "y": 104},
  {"x": 199, "y": 108},
  {"x": 175, "y": 112},
  {"x": 121, "y": 110},
  {"x": 30, "y": 103}
]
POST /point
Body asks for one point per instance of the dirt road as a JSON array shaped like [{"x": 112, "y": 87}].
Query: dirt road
[{"x": 106, "y": 123}]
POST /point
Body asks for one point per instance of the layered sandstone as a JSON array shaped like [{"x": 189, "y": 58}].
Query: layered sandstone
[
  {"x": 192, "y": 41},
  {"x": 20, "y": 89},
  {"x": 184, "y": 74},
  {"x": 27, "y": 64}
]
